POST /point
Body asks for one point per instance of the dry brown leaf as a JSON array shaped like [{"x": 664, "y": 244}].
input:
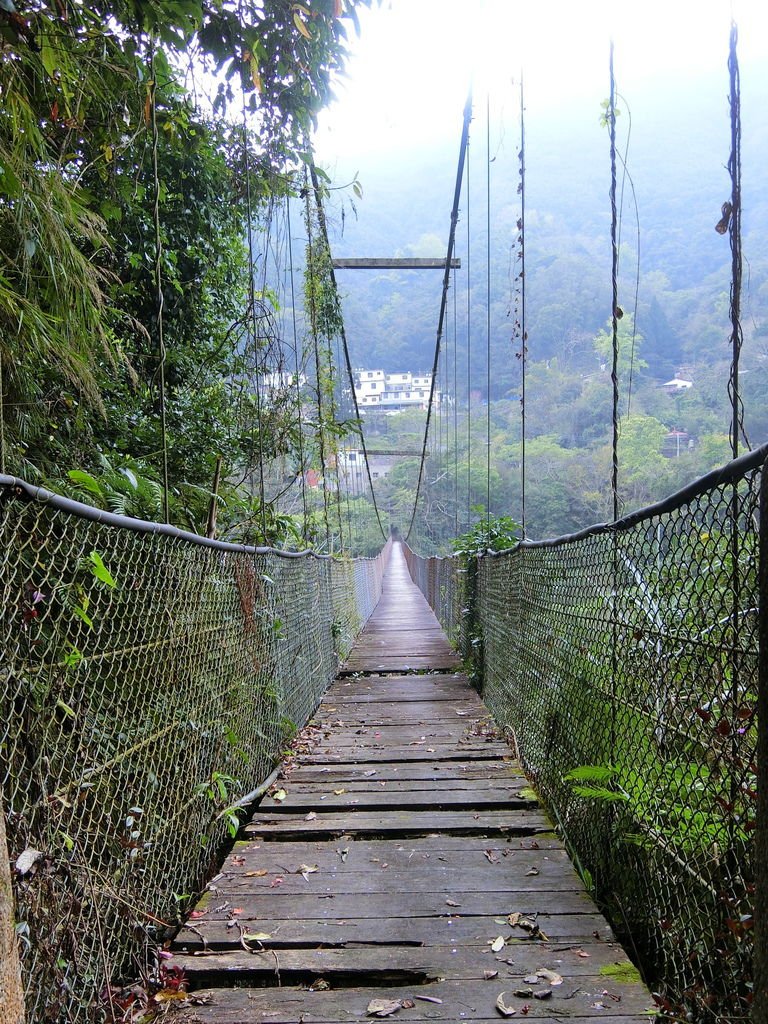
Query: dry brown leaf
[
  {"x": 310, "y": 817},
  {"x": 338, "y": 792},
  {"x": 489, "y": 975},
  {"x": 383, "y": 1007},
  {"x": 514, "y": 919},
  {"x": 551, "y": 976},
  {"x": 452, "y": 903},
  {"x": 170, "y": 995},
  {"x": 503, "y": 1008},
  {"x": 257, "y": 874}
]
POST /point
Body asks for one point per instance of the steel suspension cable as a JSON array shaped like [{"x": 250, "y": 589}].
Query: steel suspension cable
[
  {"x": 733, "y": 227},
  {"x": 737, "y": 423},
  {"x": 444, "y": 296},
  {"x": 159, "y": 297},
  {"x": 488, "y": 319},
  {"x": 455, "y": 405},
  {"x": 523, "y": 331},
  {"x": 316, "y": 350},
  {"x": 252, "y": 308},
  {"x": 469, "y": 359},
  {"x": 348, "y": 362},
  {"x": 615, "y": 310},
  {"x": 297, "y": 368}
]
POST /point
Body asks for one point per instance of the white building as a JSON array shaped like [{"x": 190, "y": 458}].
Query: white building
[{"x": 391, "y": 392}]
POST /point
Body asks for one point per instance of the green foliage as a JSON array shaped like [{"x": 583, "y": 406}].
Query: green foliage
[
  {"x": 489, "y": 533},
  {"x": 586, "y": 782},
  {"x": 82, "y": 90}
]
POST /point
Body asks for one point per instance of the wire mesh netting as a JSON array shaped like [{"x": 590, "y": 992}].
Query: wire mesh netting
[
  {"x": 624, "y": 663},
  {"x": 150, "y": 681}
]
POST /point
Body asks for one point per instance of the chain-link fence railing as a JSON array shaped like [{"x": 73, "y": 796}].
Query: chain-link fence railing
[
  {"x": 624, "y": 663},
  {"x": 150, "y": 680}
]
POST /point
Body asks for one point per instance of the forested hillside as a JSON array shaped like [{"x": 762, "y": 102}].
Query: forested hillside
[{"x": 676, "y": 139}]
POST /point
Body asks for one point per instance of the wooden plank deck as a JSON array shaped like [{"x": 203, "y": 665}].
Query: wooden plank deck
[{"x": 401, "y": 857}]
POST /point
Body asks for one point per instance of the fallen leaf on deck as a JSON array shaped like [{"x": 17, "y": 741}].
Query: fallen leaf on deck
[
  {"x": 306, "y": 870},
  {"x": 532, "y": 871},
  {"x": 370, "y": 773},
  {"x": 498, "y": 944},
  {"x": 531, "y": 979},
  {"x": 276, "y": 881},
  {"x": 237, "y": 910},
  {"x": 542, "y": 993},
  {"x": 407, "y": 1004},
  {"x": 491, "y": 856},
  {"x": 257, "y": 874},
  {"x": 279, "y": 795},
  {"x": 310, "y": 817},
  {"x": 197, "y": 913},
  {"x": 514, "y": 919},
  {"x": 319, "y": 985},
  {"x": 503, "y": 1008},
  {"x": 338, "y": 792},
  {"x": 580, "y": 952},
  {"x": 428, "y": 999},
  {"x": 383, "y": 1007},
  {"x": 256, "y": 937},
  {"x": 551, "y": 976},
  {"x": 488, "y": 975},
  {"x": 452, "y": 903},
  {"x": 343, "y": 853},
  {"x": 238, "y": 859},
  {"x": 169, "y": 995}
]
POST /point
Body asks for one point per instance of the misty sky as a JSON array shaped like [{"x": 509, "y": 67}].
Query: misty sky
[{"x": 414, "y": 60}]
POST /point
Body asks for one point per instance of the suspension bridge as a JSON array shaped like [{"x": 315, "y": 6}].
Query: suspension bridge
[{"x": 246, "y": 784}]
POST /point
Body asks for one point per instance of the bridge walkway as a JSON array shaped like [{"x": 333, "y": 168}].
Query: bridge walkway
[{"x": 401, "y": 866}]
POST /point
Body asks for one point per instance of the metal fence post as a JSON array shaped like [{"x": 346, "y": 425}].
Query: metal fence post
[
  {"x": 11, "y": 990},
  {"x": 760, "y": 1004}
]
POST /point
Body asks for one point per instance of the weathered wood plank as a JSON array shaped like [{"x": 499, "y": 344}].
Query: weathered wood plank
[
  {"x": 466, "y": 962},
  {"x": 319, "y": 787},
  {"x": 453, "y": 770},
  {"x": 403, "y": 851},
  {"x": 458, "y": 1000},
  {"x": 415, "y": 752},
  {"x": 428, "y": 927},
  {"x": 347, "y": 870},
  {"x": 382, "y": 799},
  {"x": 399, "y": 823}
]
